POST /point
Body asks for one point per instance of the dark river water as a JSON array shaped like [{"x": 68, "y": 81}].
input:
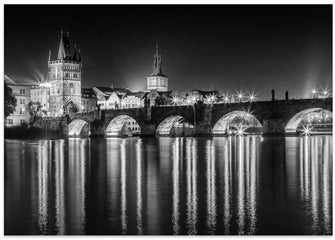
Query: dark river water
[{"x": 224, "y": 185}]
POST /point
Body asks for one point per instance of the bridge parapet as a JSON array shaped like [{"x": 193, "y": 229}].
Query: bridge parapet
[
  {"x": 273, "y": 115},
  {"x": 158, "y": 114}
]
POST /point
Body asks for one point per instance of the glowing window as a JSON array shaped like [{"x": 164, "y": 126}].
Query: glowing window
[{"x": 71, "y": 88}]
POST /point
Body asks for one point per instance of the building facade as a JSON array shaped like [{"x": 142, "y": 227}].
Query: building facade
[
  {"x": 157, "y": 80},
  {"x": 88, "y": 100},
  {"x": 65, "y": 79},
  {"x": 41, "y": 94},
  {"x": 21, "y": 91},
  {"x": 109, "y": 98},
  {"x": 134, "y": 100}
]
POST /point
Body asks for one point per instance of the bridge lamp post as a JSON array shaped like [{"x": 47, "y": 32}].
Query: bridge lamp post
[
  {"x": 325, "y": 92},
  {"x": 226, "y": 99},
  {"x": 212, "y": 99},
  {"x": 240, "y": 96},
  {"x": 175, "y": 100},
  {"x": 252, "y": 97},
  {"x": 314, "y": 91}
]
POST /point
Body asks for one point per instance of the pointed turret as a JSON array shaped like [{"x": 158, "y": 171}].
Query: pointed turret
[
  {"x": 64, "y": 47},
  {"x": 79, "y": 55},
  {"x": 49, "y": 59},
  {"x": 76, "y": 55},
  {"x": 157, "y": 66}
]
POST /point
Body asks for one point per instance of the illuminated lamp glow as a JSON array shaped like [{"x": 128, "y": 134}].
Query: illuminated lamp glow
[
  {"x": 240, "y": 130},
  {"x": 306, "y": 130}
]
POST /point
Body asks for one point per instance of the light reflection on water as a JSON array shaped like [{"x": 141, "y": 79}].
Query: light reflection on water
[{"x": 224, "y": 185}]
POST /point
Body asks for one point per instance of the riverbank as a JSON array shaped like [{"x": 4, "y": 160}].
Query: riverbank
[{"x": 25, "y": 132}]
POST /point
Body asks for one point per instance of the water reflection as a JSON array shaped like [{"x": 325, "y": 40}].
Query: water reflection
[
  {"x": 315, "y": 177},
  {"x": 192, "y": 198},
  {"x": 177, "y": 158},
  {"x": 77, "y": 180},
  {"x": 59, "y": 180},
  {"x": 139, "y": 192},
  {"x": 221, "y": 185},
  {"x": 43, "y": 188},
  {"x": 113, "y": 180},
  {"x": 211, "y": 190},
  {"x": 123, "y": 188},
  {"x": 247, "y": 183},
  {"x": 225, "y": 164}
]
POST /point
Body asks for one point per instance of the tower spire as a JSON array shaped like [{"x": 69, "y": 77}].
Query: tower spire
[
  {"x": 49, "y": 59},
  {"x": 157, "y": 67},
  {"x": 61, "y": 50},
  {"x": 64, "y": 46},
  {"x": 157, "y": 46}
]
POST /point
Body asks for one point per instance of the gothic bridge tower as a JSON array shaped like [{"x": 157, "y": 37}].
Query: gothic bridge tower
[
  {"x": 157, "y": 80},
  {"x": 65, "y": 79}
]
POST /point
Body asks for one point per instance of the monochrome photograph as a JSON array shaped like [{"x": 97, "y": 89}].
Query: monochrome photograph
[{"x": 188, "y": 119}]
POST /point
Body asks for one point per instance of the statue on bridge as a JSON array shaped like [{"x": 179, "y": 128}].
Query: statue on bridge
[
  {"x": 273, "y": 95},
  {"x": 286, "y": 95}
]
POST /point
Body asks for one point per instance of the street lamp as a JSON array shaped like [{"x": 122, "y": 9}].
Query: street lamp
[
  {"x": 314, "y": 91},
  {"x": 226, "y": 99},
  {"x": 175, "y": 100},
  {"x": 210, "y": 99},
  {"x": 252, "y": 97},
  {"x": 240, "y": 95}
]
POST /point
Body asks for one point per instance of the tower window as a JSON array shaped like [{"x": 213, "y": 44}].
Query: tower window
[{"x": 71, "y": 88}]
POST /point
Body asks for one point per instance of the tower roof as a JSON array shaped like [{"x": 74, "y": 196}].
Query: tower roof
[
  {"x": 157, "y": 64},
  {"x": 64, "y": 49},
  {"x": 76, "y": 55}
]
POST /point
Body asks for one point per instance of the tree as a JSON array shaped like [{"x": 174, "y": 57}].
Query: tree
[
  {"x": 35, "y": 111},
  {"x": 161, "y": 100},
  {"x": 10, "y": 101}
]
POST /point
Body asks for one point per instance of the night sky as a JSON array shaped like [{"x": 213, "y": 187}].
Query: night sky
[{"x": 227, "y": 46}]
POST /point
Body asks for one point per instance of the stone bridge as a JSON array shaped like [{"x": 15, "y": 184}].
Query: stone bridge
[{"x": 275, "y": 117}]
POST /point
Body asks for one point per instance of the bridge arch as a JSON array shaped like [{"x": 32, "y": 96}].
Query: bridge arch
[
  {"x": 78, "y": 127},
  {"x": 304, "y": 117},
  {"x": 176, "y": 123},
  {"x": 123, "y": 125},
  {"x": 230, "y": 122},
  {"x": 70, "y": 107}
]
